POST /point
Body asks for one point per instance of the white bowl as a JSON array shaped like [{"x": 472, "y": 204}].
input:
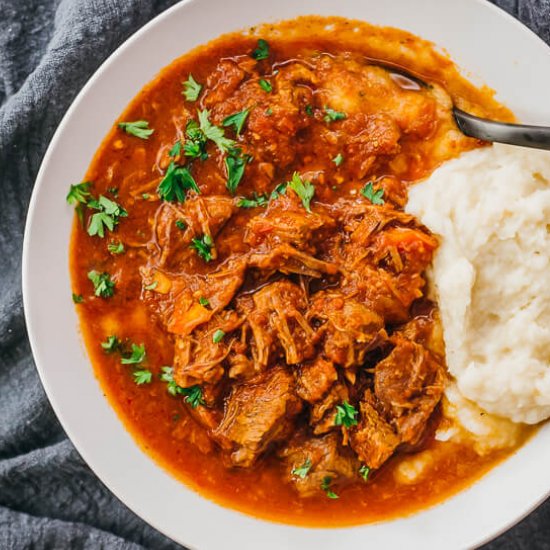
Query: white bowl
[{"x": 491, "y": 46}]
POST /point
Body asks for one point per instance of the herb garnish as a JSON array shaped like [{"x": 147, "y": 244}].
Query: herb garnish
[
  {"x": 204, "y": 302},
  {"x": 217, "y": 337},
  {"x": 364, "y": 472},
  {"x": 214, "y": 133},
  {"x": 142, "y": 376},
  {"x": 103, "y": 285},
  {"x": 236, "y": 120},
  {"x": 332, "y": 115},
  {"x": 78, "y": 298},
  {"x": 302, "y": 470},
  {"x": 195, "y": 144},
  {"x": 115, "y": 248},
  {"x": 309, "y": 110},
  {"x": 304, "y": 189},
  {"x": 338, "y": 159},
  {"x": 151, "y": 286},
  {"x": 345, "y": 415},
  {"x": 325, "y": 485},
  {"x": 235, "y": 163},
  {"x": 376, "y": 197},
  {"x": 278, "y": 191},
  {"x": 203, "y": 245},
  {"x": 191, "y": 89},
  {"x": 265, "y": 85},
  {"x": 176, "y": 149},
  {"x": 111, "y": 344},
  {"x": 257, "y": 200},
  {"x": 181, "y": 225},
  {"x": 139, "y": 128},
  {"x": 261, "y": 51},
  {"x": 176, "y": 181},
  {"x": 107, "y": 217},
  {"x": 78, "y": 196},
  {"x": 136, "y": 357},
  {"x": 192, "y": 395}
]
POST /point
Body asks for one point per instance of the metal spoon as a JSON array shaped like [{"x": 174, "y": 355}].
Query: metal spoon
[{"x": 537, "y": 137}]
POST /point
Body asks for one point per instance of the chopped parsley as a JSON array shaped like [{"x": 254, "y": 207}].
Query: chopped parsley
[
  {"x": 236, "y": 120},
  {"x": 364, "y": 472},
  {"x": 136, "y": 357},
  {"x": 78, "y": 298},
  {"x": 115, "y": 248},
  {"x": 309, "y": 110},
  {"x": 103, "y": 285},
  {"x": 345, "y": 415},
  {"x": 203, "y": 245},
  {"x": 265, "y": 85},
  {"x": 145, "y": 196},
  {"x": 235, "y": 163},
  {"x": 107, "y": 216},
  {"x": 214, "y": 133},
  {"x": 195, "y": 144},
  {"x": 78, "y": 196},
  {"x": 338, "y": 159},
  {"x": 142, "y": 376},
  {"x": 303, "y": 470},
  {"x": 191, "y": 89},
  {"x": 304, "y": 189},
  {"x": 192, "y": 395},
  {"x": 331, "y": 115},
  {"x": 139, "y": 128},
  {"x": 79, "y": 193},
  {"x": 269, "y": 111},
  {"x": 151, "y": 286},
  {"x": 204, "y": 302},
  {"x": 218, "y": 336},
  {"x": 113, "y": 191},
  {"x": 261, "y": 51},
  {"x": 180, "y": 224},
  {"x": 111, "y": 345},
  {"x": 257, "y": 200},
  {"x": 176, "y": 149},
  {"x": 376, "y": 197},
  {"x": 325, "y": 485},
  {"x": 177, "y": 180},
  {"x": 278, "y": 191}
]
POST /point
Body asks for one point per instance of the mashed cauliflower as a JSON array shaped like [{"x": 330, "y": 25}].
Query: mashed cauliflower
[{"x": 491, "y": 208}]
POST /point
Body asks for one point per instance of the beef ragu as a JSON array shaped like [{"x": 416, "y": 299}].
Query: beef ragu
[{"x": 251, "y": 292}]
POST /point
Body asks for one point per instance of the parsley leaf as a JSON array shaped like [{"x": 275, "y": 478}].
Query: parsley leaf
[
  {"x": 218, "y": 336},
  {"x": 176, "y": 181},
  {"x": 302, "y": 470},
  {"x": 115, "y": 248},
  {"x": 235, "y": 163},
  {"x": 265, "y": 85},
  {"x": 278, "y": 191},
  {"x": 176, "y": 149},
  {"x": 332, "y": 115},
  {"x": 139, "y": 128},
  {"x": 107, "y": 217},
  {"x": 79, "y": 193},
  {"x": 203, "y": 245},
  {"x": 257, "y": 200},
  {"x": 78, "y": 298},
  {"x": 181, "y": 225},
  {"x": 364, "y": 472},
  {"x": 237, "y": 120},
  {"x": 103, "y": 285},
  {"x": 204, "y": 302},
  {"x": 192, "y": 395},
  {"x": 214, "y": 133},
  {"x": 376, "y": 197},
  {"x": 195, "y": 144},
  {"x": 151, "y": 286},
  {"x": 111, "y": 344},
  {"x": 338, "y": 159},
  {"x": 309, "y": 110},
  {"x": 304, "y": 189},
  {"x": 191, "y": 89},
  {"x": 137, "y": 356},
  {"x": 345, "y": 415},
  {"x": 325, "y": 485},
  {"x": 142, "y": 376},
  {"x": 261, "y": 51}
]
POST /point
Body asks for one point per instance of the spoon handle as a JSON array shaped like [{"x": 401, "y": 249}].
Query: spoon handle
[{"x": 537, "y": 137}]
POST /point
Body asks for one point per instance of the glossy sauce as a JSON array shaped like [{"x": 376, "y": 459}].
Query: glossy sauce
[{"x": 159, "y": 422}]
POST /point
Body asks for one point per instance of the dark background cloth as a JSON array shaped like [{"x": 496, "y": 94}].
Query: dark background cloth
[{"x": 49, "y": 498}]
